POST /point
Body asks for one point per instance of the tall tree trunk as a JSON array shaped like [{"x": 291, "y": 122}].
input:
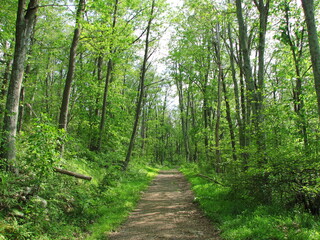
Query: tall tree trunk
[
  {"x": 229, "y": 119},
  {"x": 22, "y": 98},
  {"x": 246, "y": 65},
  {"x": 217, "y": 46},
  {"x": 242, "y": 135},
  {"x": 208, "y": 127},
  {"x": 141, "y": 90},
  {"x": 298, "y": 102},
  {"x": 104, "y": 105},
  {"x": 145, "y": 111},
  {"x": 108, "y": 79},
  {"x": 4, "y": 85},
  {"x": 64, "y": 110},
  {"x": 100, "y": 78},
  {"x": 263, "y": 20},
  {"x": 245, "y": 73},
  {"x": 308, "y": 7},
  {"x": 24, "y": 27},
  {"x": 183, "y": 114},
  {"x": 247, "y": 96}
]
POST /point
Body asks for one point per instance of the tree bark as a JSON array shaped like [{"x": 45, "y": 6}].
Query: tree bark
[
  {"x": 108, "y": 78},
  {"x": 4, "y": 86},
  {"x": 217, "y": 46},
  {"x": 259, "y": 119},
  {"x": 104, "y": 105},
  {"x": 308, "y": 7},
  {"x": 229, "y": 119},
  {"x": 245, "y": 53},
  {"x": 73, "y": 174},
  {"x": 183, "y": 114},
  {"x": 64, "y": 109},
  {"x": 24, "y": 27},
  {"x": 297, "y": 51},
  {"x": 141, "y": 90}
]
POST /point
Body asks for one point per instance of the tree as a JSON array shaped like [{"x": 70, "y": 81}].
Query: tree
[
  {"x": 143, "y": 72},
  {"x": 108, "y": 77},
  {"x": 308, "y": 7},
  {"x": 24, "y": 27},
  {"x": 63, "y": 119}
]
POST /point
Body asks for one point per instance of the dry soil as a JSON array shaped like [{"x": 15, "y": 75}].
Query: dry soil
[{"x": 167, "y": 211}]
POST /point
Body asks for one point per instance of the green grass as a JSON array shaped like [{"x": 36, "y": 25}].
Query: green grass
[{"x": 241, "y": 219}]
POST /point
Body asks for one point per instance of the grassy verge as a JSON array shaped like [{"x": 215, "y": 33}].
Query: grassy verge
[{"x": 242, "y": 219}]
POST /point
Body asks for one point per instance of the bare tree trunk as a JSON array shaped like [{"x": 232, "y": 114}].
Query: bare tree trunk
[
  {"x": 99, "y": 73},
  {"x": 24, "y": 27},
  {"x": 141, "y": 90},
  {"x": 183, "y": 114},
  {"x": 108, "y": 79},
  {"x": 104, "y": 105},
  {"x": 143, "y": 133},
  {"x": 22, "y": 98},
  {"x": 298, "y": 102},
  {"x": 240, "y": 104},
  {"x": 64, "y": 110},
  {"x": 229, "y": 119},
  {"x": 308, "y": 7},
  {"x": 245, "y": 53},
  {"x": 4, "y": 86},
  {"x": 246, "y": 73},
  {"x": 217, "y": 46},
  {"x": 263, "y": 20}
]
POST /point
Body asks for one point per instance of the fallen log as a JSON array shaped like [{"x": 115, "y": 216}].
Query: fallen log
[
  {"x": 73, "y": 174},
  {"x": 209, "y": 178}
]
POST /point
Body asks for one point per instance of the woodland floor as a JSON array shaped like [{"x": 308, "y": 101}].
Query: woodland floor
[{"x": 167, "y": 211}]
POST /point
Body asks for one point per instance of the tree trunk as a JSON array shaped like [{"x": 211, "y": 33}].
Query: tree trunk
[
  {"x": 141, "y": 90},
  {"x": 308, "y": 7},
  {"x": 236, "y": 92},
  {"x": 245, "y": 72},
  {"x": 245, "y": 53},
  {"x": 298, "y": 102},
  {"x": 263, "y": 20},
  {"x": 104, "y": 105},
  {"x": 219, "y": 100},
  {"x": 183, "y": 114},
  {"x": 4, "y": 86},
  {"x": 24, "y": 27},
  {"x": 108, "y": 79},
  {"x": 229, "y": 119},
  {"x": 63, "y": 119}
]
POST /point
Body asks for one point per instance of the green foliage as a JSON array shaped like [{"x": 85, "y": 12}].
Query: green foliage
[
  {"x": 62, "y": 207},
  {"x": 41, "y": 148},
  {"x": 241, "y": 218}
]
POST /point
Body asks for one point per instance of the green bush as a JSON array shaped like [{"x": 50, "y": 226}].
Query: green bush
[{"x": 239, "y": 217}]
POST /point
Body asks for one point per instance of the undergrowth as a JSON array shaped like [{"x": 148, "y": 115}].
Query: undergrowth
[
  {"x": 40, "y": 204},
  {"x": 240, "y": 218}
]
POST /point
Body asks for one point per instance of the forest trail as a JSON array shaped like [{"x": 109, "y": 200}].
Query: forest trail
[{"x": 167, "y": 211}]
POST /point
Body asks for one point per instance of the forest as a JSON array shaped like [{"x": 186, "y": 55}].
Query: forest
[{"x": 97, "y": 95}]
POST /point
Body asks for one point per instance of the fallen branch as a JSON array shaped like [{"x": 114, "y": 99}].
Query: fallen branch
[
  {"x": 73, "y": 174},
  {"x": 209, "y": 178}
]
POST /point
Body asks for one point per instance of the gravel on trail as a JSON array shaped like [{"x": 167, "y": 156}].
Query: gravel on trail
[{"x": 167, "y": 211}]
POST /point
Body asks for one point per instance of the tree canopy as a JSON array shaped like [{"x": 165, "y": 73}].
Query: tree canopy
[{"x": 234, "y": 91}]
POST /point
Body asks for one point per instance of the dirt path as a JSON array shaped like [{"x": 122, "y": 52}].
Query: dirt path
[{"x": 166, "y": 211}]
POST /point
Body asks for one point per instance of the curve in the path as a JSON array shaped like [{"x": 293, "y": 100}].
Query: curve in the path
[{"x": 167, "y": 211}]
